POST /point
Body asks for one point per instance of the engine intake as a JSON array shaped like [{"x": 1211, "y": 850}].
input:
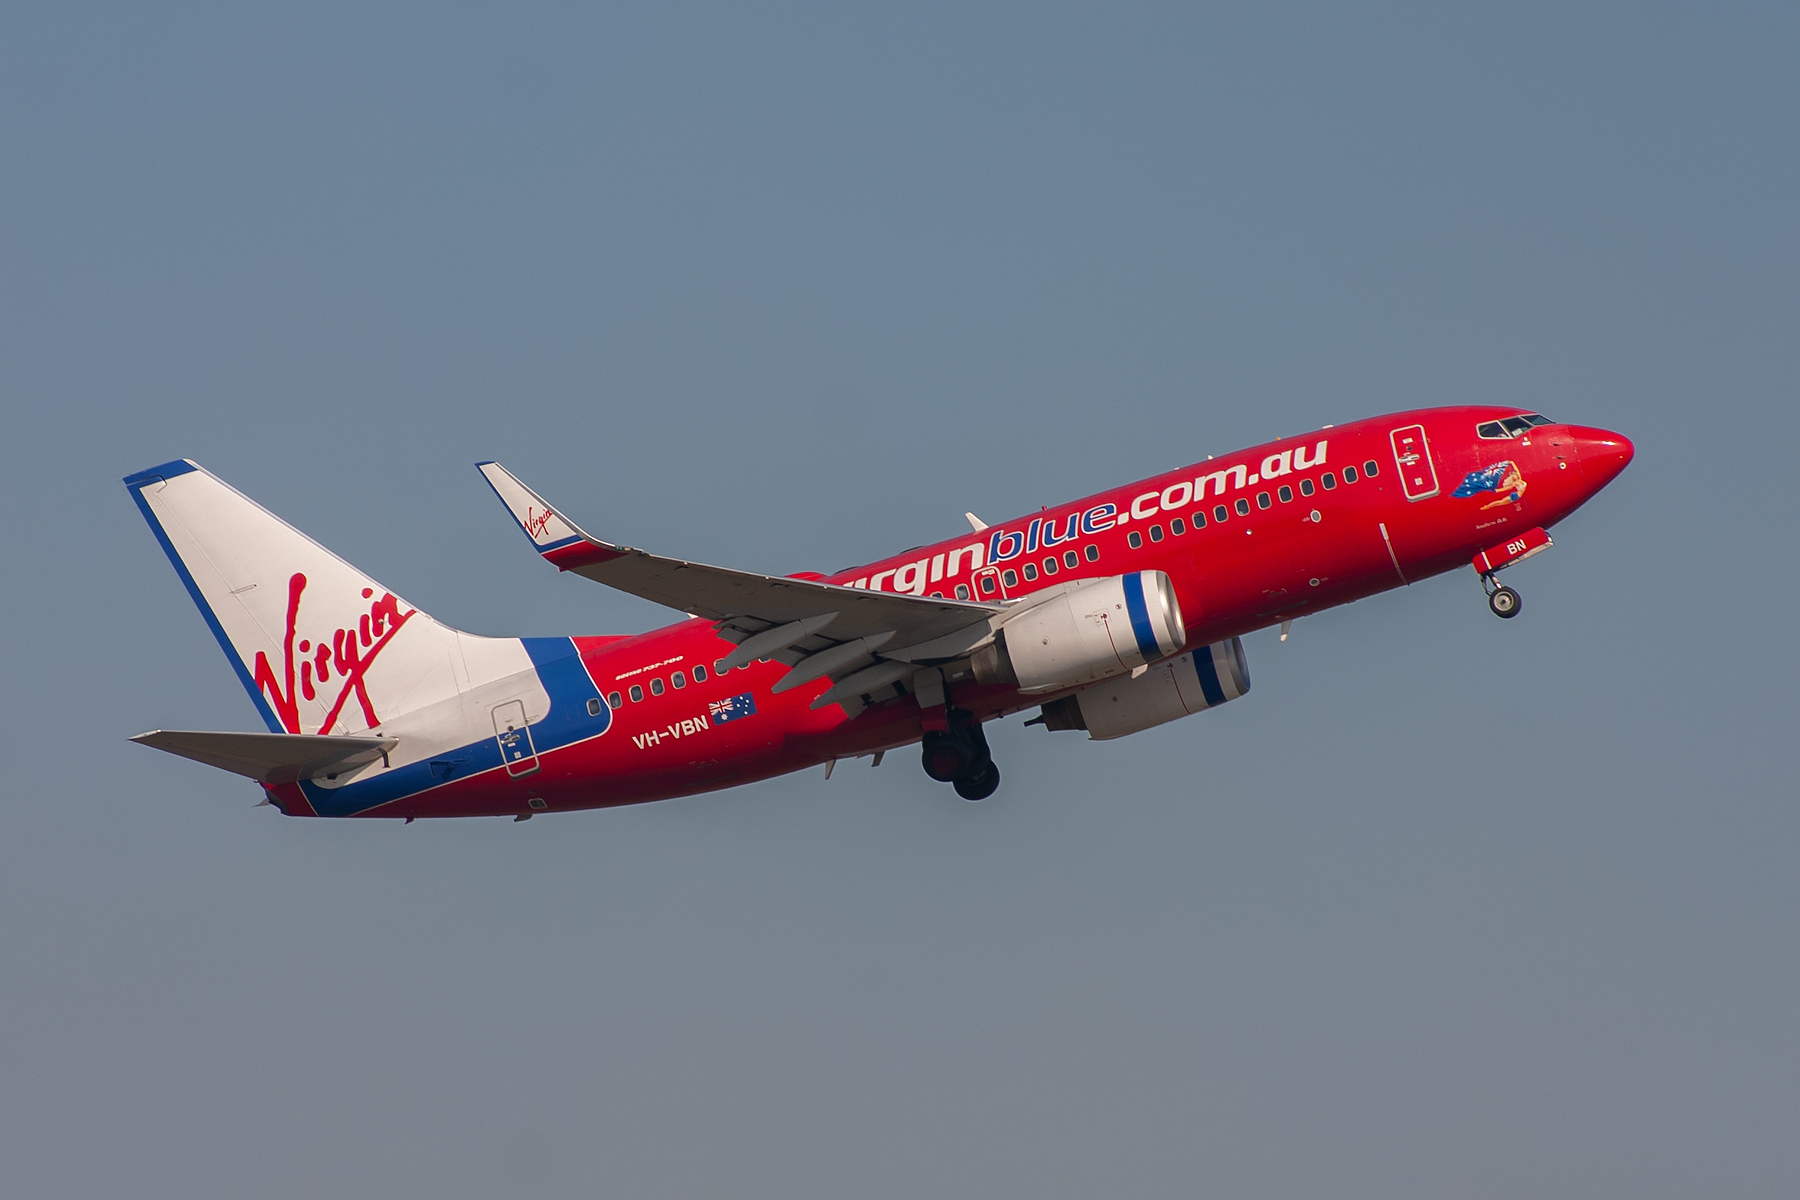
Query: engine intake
[{"x": 1086, "y": 633}]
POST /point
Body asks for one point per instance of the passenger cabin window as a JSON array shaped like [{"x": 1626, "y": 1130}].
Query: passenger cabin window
[
  {"x": 1071, "y": 559},
  {"x": 678, "y": 679},
  {"x": 1050, "y": 565},
  {"x": 1220, "y": 512},
  {"x": 1134, "y": 539},
  {"x": 594, "y": 707},
  {"x": 1370, "y": 469},
  {"x": 614, "y": 699},
  {"x": 1156, "y": 533},
  {"x": 656, "y": 686},
  {"x": 1199, "y": 518},
  {"x": 1286, "y": 493},
  {"x": 1349, "y": 474},
  {"x": 962, "y": 591},
  {"x": 1093, "y": 553},
  {"x": 1329, "y": 480},
  {"x": 1030, "y": 572},
  {"x": 699, "y": 674},
  {"x": 1262, "y": 499},
  {"x": 1243, "y": 507},
  {"x": 1306, "y": 487},
  {"x": 637, "y": 693},
  {"x": 1177, "y": 527},
  {"x": 1010, "y": 577}
]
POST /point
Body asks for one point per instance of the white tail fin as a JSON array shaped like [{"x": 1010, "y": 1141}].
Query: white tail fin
[{"x": 321, "y": 647}]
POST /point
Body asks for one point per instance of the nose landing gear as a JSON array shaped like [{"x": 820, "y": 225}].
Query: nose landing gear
[
  {"x": 1502, "y": 600},
  {"x": 959, "y": 756}
]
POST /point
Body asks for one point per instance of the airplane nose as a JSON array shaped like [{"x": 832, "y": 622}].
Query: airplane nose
[{"x": 1602, "y": 453}]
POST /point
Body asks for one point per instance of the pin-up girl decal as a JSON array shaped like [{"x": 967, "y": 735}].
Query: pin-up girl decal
[{"x": 1504, "y": 478}]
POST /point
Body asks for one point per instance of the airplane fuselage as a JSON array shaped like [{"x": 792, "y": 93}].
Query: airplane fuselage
[{"x": 1249, "y": 540}]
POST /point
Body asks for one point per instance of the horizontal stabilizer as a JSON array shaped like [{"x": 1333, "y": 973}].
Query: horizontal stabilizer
[{"x": 272, "y": 757}]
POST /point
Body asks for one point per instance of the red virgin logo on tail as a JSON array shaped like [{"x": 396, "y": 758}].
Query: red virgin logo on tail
[
  {"x": 537, "y": 524},
  {"x": 344, "y": 659}
]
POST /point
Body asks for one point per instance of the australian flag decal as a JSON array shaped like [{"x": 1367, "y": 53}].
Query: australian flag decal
[{"x": 722, "y": 711}]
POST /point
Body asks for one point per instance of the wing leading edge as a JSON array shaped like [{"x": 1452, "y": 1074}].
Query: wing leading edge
[{"x": 860, "y": 640}]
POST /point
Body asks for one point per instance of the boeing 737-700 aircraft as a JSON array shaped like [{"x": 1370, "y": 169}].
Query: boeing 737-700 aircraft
[{"x": 1110, "y": 614}]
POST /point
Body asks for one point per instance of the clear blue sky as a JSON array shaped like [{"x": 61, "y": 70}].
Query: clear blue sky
[{"x": 1447, "y": 906}]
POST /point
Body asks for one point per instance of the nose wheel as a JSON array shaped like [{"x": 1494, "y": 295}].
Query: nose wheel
[{"x": 1502, "y": 600}]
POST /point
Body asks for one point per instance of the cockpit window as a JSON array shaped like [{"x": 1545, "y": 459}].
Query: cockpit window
[{"x": 1512, "y": 427}]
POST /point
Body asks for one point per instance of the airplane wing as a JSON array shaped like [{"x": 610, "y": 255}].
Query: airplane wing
[{"x": 858, "y": 638}]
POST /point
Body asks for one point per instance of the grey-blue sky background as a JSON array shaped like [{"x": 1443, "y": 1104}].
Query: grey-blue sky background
[{"x": 1445, "y": 907}]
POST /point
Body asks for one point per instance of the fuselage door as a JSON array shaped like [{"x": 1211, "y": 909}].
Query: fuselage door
[
  {"x": 988, "y": 584},
  {"x": 1412, "y": 455},
  {"x": 514, "y": 736}
]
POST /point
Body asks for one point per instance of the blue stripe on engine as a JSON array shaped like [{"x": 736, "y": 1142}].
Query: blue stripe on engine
[
  {"x": 1140, "y": 616},
  {"x": 1209, "y": 676}
]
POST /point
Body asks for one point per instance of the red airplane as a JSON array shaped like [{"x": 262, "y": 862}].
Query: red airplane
[{"x": 1110, "y": 614}]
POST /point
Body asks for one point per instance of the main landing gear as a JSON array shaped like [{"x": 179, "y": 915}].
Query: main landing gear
[
  {"x": 959, "y": 756},
  {"x": 1502, "y": 600}
]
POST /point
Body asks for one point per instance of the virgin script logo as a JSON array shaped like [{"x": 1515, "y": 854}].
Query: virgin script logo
[
  {"x": 537, "y": 524},
  {"x": 346, "y": 656}
]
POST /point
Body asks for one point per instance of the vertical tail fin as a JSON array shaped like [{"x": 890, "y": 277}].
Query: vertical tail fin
[{"x": 320, "y": 646}]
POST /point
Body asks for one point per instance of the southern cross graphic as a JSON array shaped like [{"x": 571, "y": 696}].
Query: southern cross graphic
[{"x": 722, "y": 711}]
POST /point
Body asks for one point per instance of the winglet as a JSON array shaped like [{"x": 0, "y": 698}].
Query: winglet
[{"x": 562, "y": 543}]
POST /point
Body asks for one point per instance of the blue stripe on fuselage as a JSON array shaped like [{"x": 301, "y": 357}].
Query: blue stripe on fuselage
[{"x": 559, "y": 668}]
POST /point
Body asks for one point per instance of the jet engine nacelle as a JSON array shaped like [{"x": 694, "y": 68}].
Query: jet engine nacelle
[
  {"x": 1166, "y": 692},
  {"x": 1087, "y": 632}
]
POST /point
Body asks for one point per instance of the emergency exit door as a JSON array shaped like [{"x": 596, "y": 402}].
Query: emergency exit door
[
  {"x": 1412, "y": 455},
  {"x": 514, "y": 736}
]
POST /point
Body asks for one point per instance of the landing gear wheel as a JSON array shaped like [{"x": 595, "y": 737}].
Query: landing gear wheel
[
  {"x": 946, "y": 756},
  {"x": 1505, "y": 602},
  {"x": 979, "y": 786}
]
